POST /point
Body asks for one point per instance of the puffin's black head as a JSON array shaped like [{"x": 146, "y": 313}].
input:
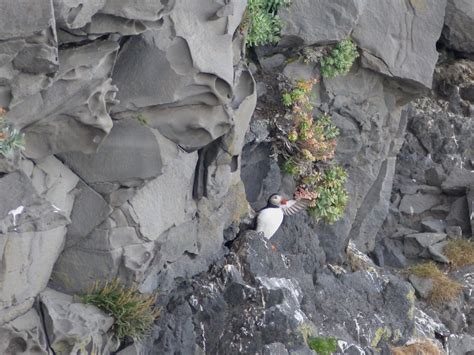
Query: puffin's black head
[{"x": 276, "y": 200}]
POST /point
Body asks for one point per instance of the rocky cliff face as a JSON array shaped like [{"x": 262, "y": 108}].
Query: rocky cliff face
[{"x": 146, "y": 146}]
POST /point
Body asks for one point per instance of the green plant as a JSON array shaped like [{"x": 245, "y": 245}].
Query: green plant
[
  {"x": 460, "y": 253},
  {"x": 331, "y": 195},
  {"x": 308, "y": 151},
  {"x": 262, "y": 22},
  {"x": 323, "y": 346},
  {"x": 444, "y": 289},
  {"x": 133, "y": 312},
  {"x": 311, "y": 55},
  {"x": 339, "y": 61},
  {"x": 10, "y": 138}
]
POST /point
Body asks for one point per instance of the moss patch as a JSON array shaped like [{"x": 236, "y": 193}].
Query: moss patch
[{"x": 323, "y": 346}]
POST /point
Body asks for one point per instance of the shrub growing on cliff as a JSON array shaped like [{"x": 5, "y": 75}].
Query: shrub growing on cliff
[
  {"x": 460, "y": 253},
  {"x": 133, "y": 312},
  {"x": 444, "y": 289},
  {"x": 262, "y": 22},
  {"x": 331, "y": 195},
  {"x": 308, "y": 150},
  {"x": 10, "y": 139},
  {"x": 339, "y": 61}
]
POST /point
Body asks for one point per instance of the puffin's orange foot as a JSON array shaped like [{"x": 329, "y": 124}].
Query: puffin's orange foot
[{"x": 274, "y": 248}]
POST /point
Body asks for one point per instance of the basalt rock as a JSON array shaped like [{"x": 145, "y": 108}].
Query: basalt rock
[
  {"x": 459, "y": 26},
  {"x": 149, "y": 189},
  {"x": 74, "y": 327},
  {"x": 31, "y": 239},
  {"x": 24, "y": 334}
]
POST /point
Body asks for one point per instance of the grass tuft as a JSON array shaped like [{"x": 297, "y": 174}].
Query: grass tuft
[
  {"x": 133, "y": 312},
  {"x": 444, "y": 289},
  {"x": 460, "y": 253},
  {"x": 418, "y": 348}
]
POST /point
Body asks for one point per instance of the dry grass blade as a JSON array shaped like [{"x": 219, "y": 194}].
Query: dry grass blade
[
  {"x": 460, "y": 252},
  {"x": 418, "y": 348},
  {"x": 444, "y": 289}
]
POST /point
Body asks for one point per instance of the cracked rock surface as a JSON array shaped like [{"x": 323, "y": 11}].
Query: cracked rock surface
[{"x": 149, "y": 138}]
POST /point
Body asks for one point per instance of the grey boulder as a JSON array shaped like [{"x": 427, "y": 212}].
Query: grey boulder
[
  {"x": 418, "y": 203},
  {"x": 417, "y": 244},
  {"x": 24, "y": 335},
  {"x": 73, "y": 326},
  {"x": 422, "y": 285},
  {"x": 459, "y": 215},
  {"x": 459, "y": 25},
  {"x": 458, "y": 181}
]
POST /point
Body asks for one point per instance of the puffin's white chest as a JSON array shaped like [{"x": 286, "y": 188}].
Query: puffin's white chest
[{"x": 269, "y": 220}]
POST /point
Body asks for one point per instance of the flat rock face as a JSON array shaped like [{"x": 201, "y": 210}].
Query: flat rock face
[
  {"x": 130, "y": 154},
  {"x": 418, "y": 203},
  {"x": 319, "y": 22},
  {"x": 89, "y": 210},
  {"x": 167, "y": 200},
  {"x": 459, "y": 25},
  {"x": 402, "y": 44},
  {"x": 365, "y": 110},
  {"x": 458, "y": 181},
  {"x": 32, "y": 238}
]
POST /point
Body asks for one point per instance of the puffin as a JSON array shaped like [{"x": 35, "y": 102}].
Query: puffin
[{"x": 270, "y": 217}]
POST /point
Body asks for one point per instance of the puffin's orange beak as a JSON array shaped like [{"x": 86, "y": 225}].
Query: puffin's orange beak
[{"x": 283, "y": 201}]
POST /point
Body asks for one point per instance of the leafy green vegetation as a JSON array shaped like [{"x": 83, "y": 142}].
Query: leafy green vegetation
[
  {"x": 339, "y": 61},
  {"x": 444, "y": 289},
  {"x": 460, "y": 253},
  {"x": 10, "y": 139},
  {"x": 308, "y": 152},
  {"x": 332, "y": 196},
  {"x": 323, "y": 346},
  {"x": 133, "y": 312},
  {"x": 262, "y": 22}
]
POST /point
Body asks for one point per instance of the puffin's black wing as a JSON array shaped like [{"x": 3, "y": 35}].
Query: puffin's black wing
[{"x": 294, "y": 206}]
